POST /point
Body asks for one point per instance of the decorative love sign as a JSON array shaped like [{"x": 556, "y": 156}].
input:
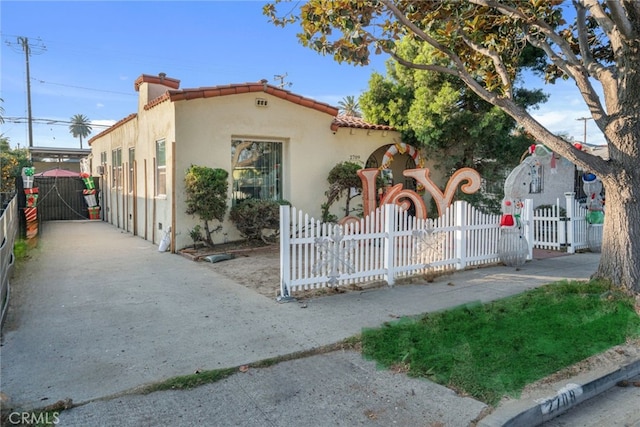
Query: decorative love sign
[{"x": 404, "y": 198}]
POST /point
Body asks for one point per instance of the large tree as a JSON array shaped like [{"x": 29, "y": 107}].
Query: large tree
[
  {"x": 439, "y": 113},
  {"x": 482, "y": 42},
  {"x": 80, "y": 127}
]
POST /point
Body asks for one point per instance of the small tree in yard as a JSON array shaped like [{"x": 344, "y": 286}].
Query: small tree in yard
[
  {"x": 342, "y": 178},
  {"x": 483, "y": 43},
  {"x": 253, "y": 216},
  {"x": 206, "y": 190}
]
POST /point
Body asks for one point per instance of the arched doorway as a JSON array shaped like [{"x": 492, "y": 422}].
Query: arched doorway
[{"x": 393, "y": 159}]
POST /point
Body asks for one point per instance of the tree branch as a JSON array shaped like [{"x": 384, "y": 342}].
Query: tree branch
[
  {"x": 459, "y": 71},
  {"x": 618, "y": 18},
  {"x": 568, "y": 62},
  {"x": 498, "y": 63},
  {"x": 426, "y": 67}
]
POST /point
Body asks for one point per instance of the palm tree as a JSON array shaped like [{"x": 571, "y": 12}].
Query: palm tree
[
  {"x": 349, "y": 106},
  {"x": 80, "y": 127}
]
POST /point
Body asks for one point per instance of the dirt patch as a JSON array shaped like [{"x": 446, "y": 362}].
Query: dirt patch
[{"x": 255, "y": 266}]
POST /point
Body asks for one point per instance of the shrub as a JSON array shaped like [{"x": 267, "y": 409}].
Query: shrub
[
  {"x": 206, "y": 190},
  {"x": 252, "y": 216}
]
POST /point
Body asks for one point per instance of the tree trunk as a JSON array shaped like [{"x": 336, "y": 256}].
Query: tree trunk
[{"x": 620, "y": 258}]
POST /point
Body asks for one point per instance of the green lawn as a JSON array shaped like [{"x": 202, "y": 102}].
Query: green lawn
[{"x": 492, "y": 350}]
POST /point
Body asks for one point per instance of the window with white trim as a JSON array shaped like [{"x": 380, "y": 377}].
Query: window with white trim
[
  {"x": 116, "y": 168},
  {"x": 132, "y": 159},
  {"x": 161, "y": 168},
  {"x": 256, "y": 170}
]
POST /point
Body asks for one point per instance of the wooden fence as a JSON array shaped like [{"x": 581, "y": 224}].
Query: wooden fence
[{"x": 8, "y": 231}]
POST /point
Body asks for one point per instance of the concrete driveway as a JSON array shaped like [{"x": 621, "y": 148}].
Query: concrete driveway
[{"x": 96, "y": 312}]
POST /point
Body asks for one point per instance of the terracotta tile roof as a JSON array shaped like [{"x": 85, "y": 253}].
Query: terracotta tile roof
[
  {"x": 343, "y": 121},
  {"x": 174, "y": 94},
  {"x": 113, "y": 127},
  {"x": 161, "y": 79},
  {"x": 234, "y": 89}
]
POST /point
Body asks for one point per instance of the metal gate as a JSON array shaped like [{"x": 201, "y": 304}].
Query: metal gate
[{"x": 59, "y": 198}]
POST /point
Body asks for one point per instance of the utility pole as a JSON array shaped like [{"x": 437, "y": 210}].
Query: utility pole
[
  {"x": 281, "y": 77},
  {"x": 28, "y": 51},
  {"x": 584, "y": 119}
]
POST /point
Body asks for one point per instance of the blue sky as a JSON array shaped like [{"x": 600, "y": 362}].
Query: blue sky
[{"x": 93, "y": 52}]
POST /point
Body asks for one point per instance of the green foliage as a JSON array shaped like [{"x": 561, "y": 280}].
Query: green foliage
[
  {"x": 80, "y": 127},
  {"x": 186, "y": 382},
  {"x": 437, "y": 112},
  {"x": 206, "y": 190},
  {"x": 342, "y": 178},
  {"x": 493, "y": 350},
  {"x": 349, "y": 106},
  {"x": 21, "y": 249},
  {"x": 252, "y": 216},
  {"x": 196, "y": 234},
  {"x": 11, "y": 163}
]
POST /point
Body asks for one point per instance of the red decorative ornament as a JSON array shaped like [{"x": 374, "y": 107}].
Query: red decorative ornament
[{"x": 507, "y": 220}]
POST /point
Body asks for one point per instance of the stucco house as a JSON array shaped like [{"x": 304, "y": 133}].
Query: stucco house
[{"x": 274, "y": 143}]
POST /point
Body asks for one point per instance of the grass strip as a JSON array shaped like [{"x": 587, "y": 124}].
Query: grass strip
[
  {"x": 185, "y": 382},
  {"x": 493, "y": 350}
]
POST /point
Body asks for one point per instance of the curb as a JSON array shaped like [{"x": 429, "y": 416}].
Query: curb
[{"x": 535, "y": 412}]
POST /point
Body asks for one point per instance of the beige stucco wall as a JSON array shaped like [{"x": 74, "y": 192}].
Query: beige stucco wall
[
  {"x": 207, "y": 126},
  {"x": 200, "y": 131}
]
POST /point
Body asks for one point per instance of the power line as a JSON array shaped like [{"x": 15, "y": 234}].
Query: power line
[
  {"x": 83, "y": 88},
  {"x": 47, "y": 121}
]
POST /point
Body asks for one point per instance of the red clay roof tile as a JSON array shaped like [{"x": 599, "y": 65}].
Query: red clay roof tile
[
  {"x": 113, "y": 127},
  {"x": 356, "y": 122},
  {"x": 174, "y": 94}
]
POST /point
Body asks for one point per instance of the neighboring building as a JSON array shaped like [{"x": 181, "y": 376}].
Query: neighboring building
[
  {"x": 551, "y": 180},
  {"x": 274, "y": 144},
  {"x": 45, "y": 158}
]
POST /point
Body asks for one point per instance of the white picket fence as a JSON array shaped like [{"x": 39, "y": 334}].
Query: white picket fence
[
  {"x": 390, "y": 244},
  {"x": 383, "y": 246}
]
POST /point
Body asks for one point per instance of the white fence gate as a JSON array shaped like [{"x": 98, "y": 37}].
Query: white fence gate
[{"x": 553, "y": 229}]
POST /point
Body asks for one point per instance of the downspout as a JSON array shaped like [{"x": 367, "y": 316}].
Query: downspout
[
  {"x": 146, "y": 201},
  {"x": 173, "y": 197},
  {"x": 126, "y": 196},
  {"x": 135, "y": 198},
  {"x": 153, "y": 206}
]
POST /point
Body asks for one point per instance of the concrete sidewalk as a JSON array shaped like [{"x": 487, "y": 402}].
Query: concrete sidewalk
[{"x": 96, "y": 312}]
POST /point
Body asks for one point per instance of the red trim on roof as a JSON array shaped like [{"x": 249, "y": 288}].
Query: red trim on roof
[
  {"x": 234, "y": 89},
  {"x": 113, "y": 127},
  {"x": 156, "y": 101},
  {"x": 343, "y": 121},
  {"x": 160, "y": 79}
]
